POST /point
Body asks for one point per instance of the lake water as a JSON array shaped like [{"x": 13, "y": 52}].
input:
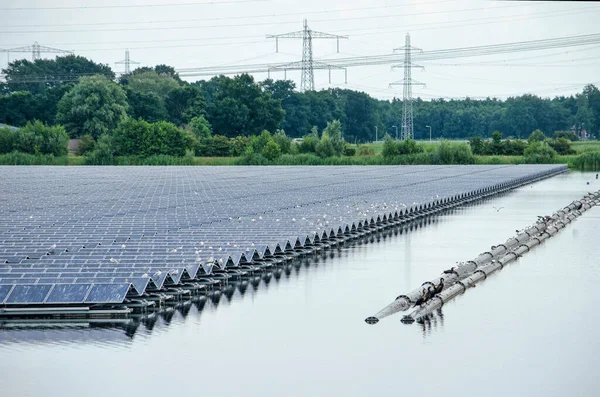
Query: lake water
[{"x": 529, "y": 330}]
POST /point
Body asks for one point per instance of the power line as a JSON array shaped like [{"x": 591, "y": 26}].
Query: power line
[
  {"x": 451, "y": 53},
  {"x": 362, "y": 17},
  {"x": 461, "y": 52},
  {"x": 131, "y": 5},
  {"x": 355, "y": 32},
  {"x": 240, "y": 16}
]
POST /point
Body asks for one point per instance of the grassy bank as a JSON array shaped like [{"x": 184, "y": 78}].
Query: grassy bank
[{"x": 587, "y": 160}]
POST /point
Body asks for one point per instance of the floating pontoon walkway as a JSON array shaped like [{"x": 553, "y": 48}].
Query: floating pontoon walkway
[
  {"x": 458, "y": 279},
  {"x": 117, "y": 238}
]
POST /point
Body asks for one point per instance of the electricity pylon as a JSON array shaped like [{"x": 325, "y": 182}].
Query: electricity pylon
[
  {"x": 36, "y": 50},
  {"x": 127, "y": 62},
  {"x": 407, "y": 83},
  {"x": 307, "y": 82}
]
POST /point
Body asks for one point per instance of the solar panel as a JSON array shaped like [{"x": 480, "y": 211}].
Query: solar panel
[
  {"x": 140, "y": 226},
  {"x": 29, "y": 293},
  {"x": 107, "y": 293},
  {"x": 68, "y": 293},
  {"x": 4, "y": 291}
]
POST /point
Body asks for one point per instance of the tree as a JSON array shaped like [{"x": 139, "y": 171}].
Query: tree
[
  {"x": 152, "y": 83},
  {"x": 94, "y": 106},
  {"x": 239, "y": 106},
  {"x": 359, "y": 115},
  {"x": 42, "y": 74},
  {"x": 592, "y": 95},
  {"x": 185, "y": 103},
  {"x": 332, "y": 143},
  {"x": 333, "y": 131},
  {"x": 147, "y": 106},
  {"x": 279, "y": 89},
  {"x": 200, "y": 127}
]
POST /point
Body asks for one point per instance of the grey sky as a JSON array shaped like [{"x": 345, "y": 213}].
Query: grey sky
[{"x": 233, "y": 31}]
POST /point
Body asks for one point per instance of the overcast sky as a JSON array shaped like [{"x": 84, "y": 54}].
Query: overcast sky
[{"x": 222, "y": 32}]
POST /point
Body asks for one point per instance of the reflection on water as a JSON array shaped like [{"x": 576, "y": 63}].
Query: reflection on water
[{"x": 299, "y": 330}]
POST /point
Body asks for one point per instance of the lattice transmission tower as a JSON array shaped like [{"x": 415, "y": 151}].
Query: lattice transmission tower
[
  {"x": 407, "y": 82},
  {"x": 127, "y": 62},
  {"x": 308, "y": 65},
  {"x": 36, "y": 51}
]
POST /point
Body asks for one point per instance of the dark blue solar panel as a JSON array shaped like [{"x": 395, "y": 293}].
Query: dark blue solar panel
[
  {"x": 29, "y": 294},
  {"x": 107, "y": 293},
  {"x": 4, "y": 290},
  {"x": 68, "y": 293}
]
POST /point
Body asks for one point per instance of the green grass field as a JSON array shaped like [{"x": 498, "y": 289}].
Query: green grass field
[{"x": 586, "y": 146}]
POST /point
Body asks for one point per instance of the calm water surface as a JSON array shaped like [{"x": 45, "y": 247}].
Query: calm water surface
[{"x": 529, "y": 330}]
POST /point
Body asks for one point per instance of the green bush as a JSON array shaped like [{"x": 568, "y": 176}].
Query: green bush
[
  {"x": 536, "y": 136},
  {"x": 447, "y": 153},
  {"x": 283, "y": 141},
  {"x": 200, "y": 127},
  {"x": 562, "y": 146},
  {"x": 140, "y": 138},
  {"x": 539, "y": 153},
  {"x": 392, "y": 148},
  {"x": 309, "y": 142},
  {"x": 333, "y": 132},
  {"x": 365, "y": 151},
  {"x": 478, "y": 145},
  {"x": 215, "y": 146},
  {"x": 239, "y": 145},
  {"x": 103, "y": 153},
  {"x": 409, "y": 146},
  {"x": 258, "y": 142},
  {"x": 513, "y": 147},
  {"x": 325, "y": 147},
  {"x": 349, "y": 151},
  {"x": 7, "y": 140},
  {"x": 86, "y": 144},
  {"x": 35, "y": 138},
  {"x": 271, "y": 151}
]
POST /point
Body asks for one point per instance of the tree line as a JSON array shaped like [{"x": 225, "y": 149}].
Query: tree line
[{"x": 222, "y": 114}]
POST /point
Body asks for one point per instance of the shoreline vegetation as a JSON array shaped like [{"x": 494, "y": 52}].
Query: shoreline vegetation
[{"x": 586, "y": 159}]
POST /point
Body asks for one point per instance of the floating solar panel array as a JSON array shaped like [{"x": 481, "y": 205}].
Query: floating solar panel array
[{"x": 101, "y": 235}]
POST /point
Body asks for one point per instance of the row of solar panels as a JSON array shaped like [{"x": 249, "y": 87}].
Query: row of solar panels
[
  {"x": 359, "y": 201},
  {"x": 21, "y": 294}
]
